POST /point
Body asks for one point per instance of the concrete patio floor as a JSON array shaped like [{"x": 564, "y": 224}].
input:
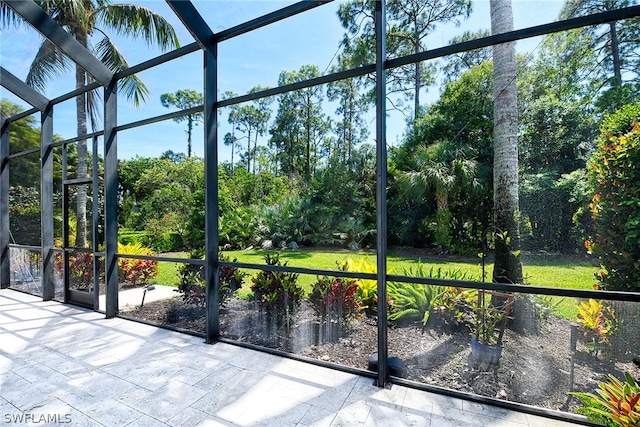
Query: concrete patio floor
[{"x": 63, "y": 365}]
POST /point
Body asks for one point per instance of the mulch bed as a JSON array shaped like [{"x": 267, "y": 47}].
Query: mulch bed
[{"x": 535, "y": 367}]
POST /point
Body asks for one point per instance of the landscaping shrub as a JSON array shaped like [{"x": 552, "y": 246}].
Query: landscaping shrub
[
  {"x": 131, "y": 237},
  {"x": 192, "y": 280},
  {"x": 136, "y": 271},
  {"x": 367, "y": 290},
  {"x": 615, "y": 207},
  {"x": 80, "y": 271},
  {"x": 417, "y": 301},
  {"x": 335, "y": 298},
  {"x": 278, "y": 291},
  {"x": 617, "y": 403},
  {"x": 598, "y": 323},
  {"x": 24, "y": 215}
]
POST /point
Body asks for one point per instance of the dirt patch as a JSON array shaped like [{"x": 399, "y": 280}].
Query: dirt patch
[{"x": 535, "y": 368}]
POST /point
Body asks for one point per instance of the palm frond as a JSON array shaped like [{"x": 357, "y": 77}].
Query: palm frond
[
  {"x": 138, "y": 22},
  {"x": 132, "y": 87},
  {"x": 8, "y": 18},
  {"x": 48, "y": 63}
]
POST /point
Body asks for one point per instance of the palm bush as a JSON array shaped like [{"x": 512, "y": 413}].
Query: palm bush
[{"x": 417, "y": 301}]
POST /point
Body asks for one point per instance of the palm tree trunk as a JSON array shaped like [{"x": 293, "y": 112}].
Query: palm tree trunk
[
  {"x": 508, "y": 268},
  {"x": 81, "y": 171}
]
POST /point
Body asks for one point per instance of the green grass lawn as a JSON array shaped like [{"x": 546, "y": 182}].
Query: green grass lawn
[
  {"x": 168, "y": 271},
  {"x": 539, "y": 270}
]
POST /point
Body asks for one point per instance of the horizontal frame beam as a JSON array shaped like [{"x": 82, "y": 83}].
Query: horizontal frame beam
[{"x": 22, "y": 90}]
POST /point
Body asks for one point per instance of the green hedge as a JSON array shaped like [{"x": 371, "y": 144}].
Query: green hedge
[{"x": 168, "y": 242}]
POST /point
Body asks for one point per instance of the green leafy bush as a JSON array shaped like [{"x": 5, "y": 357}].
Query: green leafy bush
[
  {"x": 24, "y": 215},
  {"x": 615, "y": 207},
  {"x": 192, "y": 280},
  {"x": 413, "y": 300},
  {"x": 131, "y": 237},
  {"x": 80, "y": 270},
  {"x": 237, "y": 228},
  {"x": 277, "y": 290},
  {"x": 616, "y": 404}
]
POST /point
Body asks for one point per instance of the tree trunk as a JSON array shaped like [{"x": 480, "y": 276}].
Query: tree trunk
[
  {"x": 418, "y": 83},
  {"x": 233, "y": 144},
  {"x": 189, "y": 129},
  {"x": 615, "y": 53},
  {"x": 507, "y": 268},
  {"x": 81, "y": 169},
  {"x": 249, "y": 151}
]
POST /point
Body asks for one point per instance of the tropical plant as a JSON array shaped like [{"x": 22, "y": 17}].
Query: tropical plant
[
  {"x": 491, "y": 311},
  {"x": 192, "y": 280},
  {"x": 413, "y": 300},
  {"x": 442, "y": 168},
  {"x": 136, "y": 271},
  {"x": 83, "y": 20},
  {"x": 237, "y": 228},
  {"x": 616, "y": 404},
  {"x": 418, "y": 301},
  {"x": 278, "y": 291},
  {"x": 80, "y": 270},
  {"x": 367, "y": 290},
  {"x": 335, "y": 298},
  {"x": 598, "y": 321},
  {"x": 453, "y": 305},
  {"x": 284, "y": 225}
]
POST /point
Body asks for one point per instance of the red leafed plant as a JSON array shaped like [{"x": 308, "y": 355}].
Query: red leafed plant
[
  {"x": 335, "y": 298},
  {"x": 617, "y": 402},
  {"x": 135, "y": 271}
]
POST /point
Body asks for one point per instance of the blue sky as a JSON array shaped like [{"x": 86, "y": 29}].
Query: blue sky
[{"x": 256, "y": 58}]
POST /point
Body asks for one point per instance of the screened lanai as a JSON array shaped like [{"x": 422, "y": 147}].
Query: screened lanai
[{"x": 319, "y": 180}]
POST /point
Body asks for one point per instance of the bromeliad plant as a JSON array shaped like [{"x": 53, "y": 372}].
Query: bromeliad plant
[
  {"x": 598, "y": 322},
  {"x": 617, "y": 403}
]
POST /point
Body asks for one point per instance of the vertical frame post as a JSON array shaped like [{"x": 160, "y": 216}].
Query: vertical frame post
[
  {"x": 46, "y": 201},
  {"x": 381, "y": 190},
  {"x": 110, "y": 199},
  {"x": 65, "y": 225},
  {"x": 212, "y": 266},
  {"x": 5, "y": 276},
  {"x": 95, "y": 223}
]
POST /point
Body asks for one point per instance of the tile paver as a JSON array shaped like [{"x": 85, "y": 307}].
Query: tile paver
[{"x": 57, "y": 359}]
